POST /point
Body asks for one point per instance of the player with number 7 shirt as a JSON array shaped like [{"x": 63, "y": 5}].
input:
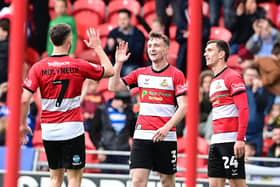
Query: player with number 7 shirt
[{"x": 60, "y": 79}]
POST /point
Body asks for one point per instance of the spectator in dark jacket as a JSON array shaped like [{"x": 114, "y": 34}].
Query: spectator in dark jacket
[
  {"x": 247, "y": 12},
  {"x": 182, "y": 36},
  {"x": 215, "y": 7},
  {"x": 115, "y": 122},
  {"x": 130, "y": 34},
  {"x": 260, "y": 102},
  {"x": 4, "y": 46}
]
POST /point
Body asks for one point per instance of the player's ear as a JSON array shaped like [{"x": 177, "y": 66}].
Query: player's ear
[{"x": 222, "y": 54}]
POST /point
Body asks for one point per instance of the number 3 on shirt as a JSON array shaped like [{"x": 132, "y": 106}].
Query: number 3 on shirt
[{"x": 65, "y": 83}]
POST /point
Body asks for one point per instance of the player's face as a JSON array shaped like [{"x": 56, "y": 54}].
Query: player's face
[
  {"x": 157, "y": 50},
  {"x": 212, "y": 54},
  {"x": 60, "y": 8}
]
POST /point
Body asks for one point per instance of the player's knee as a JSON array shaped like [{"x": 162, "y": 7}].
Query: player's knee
[
  {"x": 167, "y": 181},
  {"x": 237, "y": 183},
  {"x": 138, "y": 182},
  {"x": 56, "y": 180},
  {"x": 216, "y": 184}
]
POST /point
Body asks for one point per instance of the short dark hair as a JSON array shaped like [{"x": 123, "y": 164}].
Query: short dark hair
[
  {"x": 222, "y": 46},
  {"x": 276, "y": 48},
  {"x": 59, "y": 33},
  {"x": 124, "y": 10},
  {"x": 5, "y": 24},
  {"x": 204, "y": 74},
  {"x": 252, "y": 67},
  {"x": 161, "y": 36}
]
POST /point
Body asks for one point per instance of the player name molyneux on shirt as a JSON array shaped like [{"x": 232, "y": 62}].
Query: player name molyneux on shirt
[{"x": 60, "y": 80}]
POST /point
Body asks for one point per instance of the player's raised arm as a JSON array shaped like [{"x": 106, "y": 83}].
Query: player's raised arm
[
  {"x": 115, "y": 82},
  {"x": 95, "y": 43}
]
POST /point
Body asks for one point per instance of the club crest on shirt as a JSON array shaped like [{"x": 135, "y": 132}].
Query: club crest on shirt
[
  {"x": 218, "y": 85},
  {"x": 164, "y": 83},
  {"x": 138, "y": 127}
]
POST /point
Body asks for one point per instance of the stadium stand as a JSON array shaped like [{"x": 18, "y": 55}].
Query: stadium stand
[
  {"x": 220, "y": 33},
  {"x": 149, "y": 8},
  {"x": 104, "y": 30},
  {"x": 85, "y": 10},
  {"x": 114, "y": 6},
  {"x": 271, "y": 10}
]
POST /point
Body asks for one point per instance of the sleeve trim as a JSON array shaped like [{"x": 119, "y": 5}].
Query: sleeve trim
[
  {"x": 130, "y": 86},
  {"x": 124, "y": 82},
  {"x": 238, "y": 92},
  {"x": 29, "y": 89},
  {"x": 183, "y": 93}
]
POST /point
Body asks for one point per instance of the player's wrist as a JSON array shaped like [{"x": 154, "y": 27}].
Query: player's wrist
[
  {"x": 98, "y": 49},
  {"x": 119, "y": 62}
]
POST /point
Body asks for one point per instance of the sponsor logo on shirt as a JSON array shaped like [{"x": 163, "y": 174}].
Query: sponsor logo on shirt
[
  {"x": 94, "y": 65},
  {"x": 182, "y": 87},
  {"x": 144, "y": 92},
  {"x": 238, "y": 86},
  {"x": 76, "y": 160},
  {"x": 157, "y": 96},
  {"x": 146, "y": 81},
  {"x": 57, "y": 64},
  {"x": 28, "y": 82}
]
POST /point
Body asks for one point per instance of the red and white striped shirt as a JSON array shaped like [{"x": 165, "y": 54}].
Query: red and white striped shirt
[
  {"x": 223, "y": 88},
  {"x": 158, "y": 92},
  {"x": 60, "y": 79}
]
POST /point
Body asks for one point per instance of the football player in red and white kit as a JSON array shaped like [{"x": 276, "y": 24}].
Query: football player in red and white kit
[
  {"x": 162, "y": 90},
  {"x": 230, "y": 119},
  {"x": 60, "y": 79}
]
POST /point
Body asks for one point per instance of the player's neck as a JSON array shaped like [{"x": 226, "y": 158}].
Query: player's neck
[
  {"x": 218, "y": 67},
  {"x": 159, "y": 65},
  {"x": 59, "y": 51}
]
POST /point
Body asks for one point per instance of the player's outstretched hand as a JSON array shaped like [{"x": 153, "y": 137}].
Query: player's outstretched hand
[
  {"x": 93, "y": 39},
  {"x": 24, "y": 129},
  {"x": 122, "y": 54}
]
